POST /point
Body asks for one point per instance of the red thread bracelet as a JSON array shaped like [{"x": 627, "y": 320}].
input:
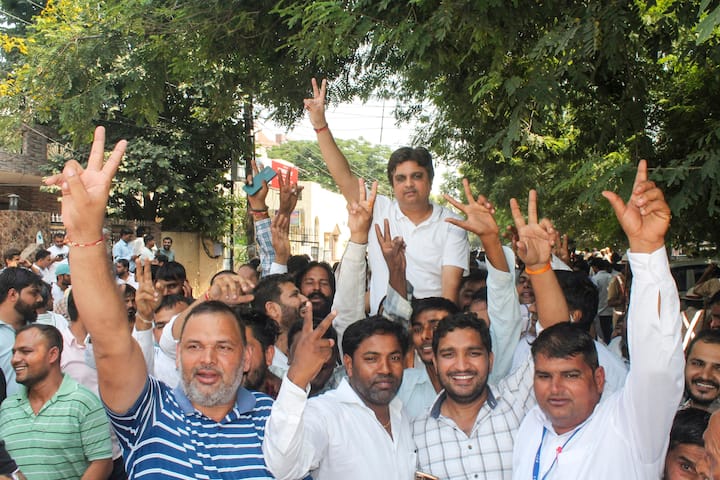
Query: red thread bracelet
[
  {"x": 318, "y": 130},
  {"x": 91, "y": 244},
  {"x": 207, "y": 297}
]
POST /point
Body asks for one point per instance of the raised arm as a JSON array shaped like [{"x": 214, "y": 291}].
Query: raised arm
[
  {"x": 349, "y": 301},
  {"x": 258, "y": 209},
  {"x": 502, "y": 298},
  {"x": 534, "y": 248},
  {"x": 655, "y": 383},
  {"x": 334, "y": 158},
  {"x": 84, "y": 199},
  {"x": 294, "y": 442}
]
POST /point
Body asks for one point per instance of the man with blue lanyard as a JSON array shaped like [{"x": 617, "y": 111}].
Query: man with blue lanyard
[{"x": 574, "y": 432}]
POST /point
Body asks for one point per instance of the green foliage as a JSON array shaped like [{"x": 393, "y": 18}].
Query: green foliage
[
  {"x": 563, "y": 96},
  {"x": 367, "y": 161}
]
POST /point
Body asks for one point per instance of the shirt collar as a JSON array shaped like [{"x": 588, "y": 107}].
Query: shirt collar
[
  {"x": 434, "y": 216},
  {"x": 490, "y": 401},
  {"x": 244, "y": 401}
]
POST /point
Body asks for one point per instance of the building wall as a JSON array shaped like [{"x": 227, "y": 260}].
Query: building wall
[
  {"x": 19, "y": 228},
  {"x": 198, "y": 265},
  {"x": 31, "y": 199}
]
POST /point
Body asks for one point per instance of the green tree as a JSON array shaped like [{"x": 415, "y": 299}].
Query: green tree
[
  {"x": 366, "y": 160},
  {"x": 563, "y": 96},
  {"x": 173, "y": 78}
]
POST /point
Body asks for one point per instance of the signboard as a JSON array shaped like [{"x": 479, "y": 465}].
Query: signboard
[{"x": 281, "y": 167}]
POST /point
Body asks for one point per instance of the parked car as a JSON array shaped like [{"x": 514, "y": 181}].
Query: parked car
[{"x": 688, "y": 271}]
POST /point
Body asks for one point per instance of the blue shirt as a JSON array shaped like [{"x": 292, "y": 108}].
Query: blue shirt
[
  {"x": 164, "y": 436},
  {"x": 7, "y": 340}
]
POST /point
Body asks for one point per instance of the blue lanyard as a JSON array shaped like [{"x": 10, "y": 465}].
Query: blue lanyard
[{"x": 536, "y": 465}]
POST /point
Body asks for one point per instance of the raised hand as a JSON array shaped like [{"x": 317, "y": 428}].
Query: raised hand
[
  {"x": 257, "y": 200},
  {"x": 316, "y": 105},
  {"x": 646, "y": 216},
  {"x": 85, "y": 191},
  {"x": 393, "y": 249},
  {"x": 479, "y": 212},
  {"x": 360, "y": 212},
  {"x": 310, "y": 350},
  {"x": 280, "y": 237},
  {"x": 147, "y": 298},
  {"x": 289, "y": 192},
  {"x": 536, "y": 240},
  {"x": 560, "y": 249},
  {"x": 231, "y": 289}
]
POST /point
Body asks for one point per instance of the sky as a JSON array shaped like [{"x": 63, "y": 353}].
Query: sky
[{"x": 373, "y": 121}]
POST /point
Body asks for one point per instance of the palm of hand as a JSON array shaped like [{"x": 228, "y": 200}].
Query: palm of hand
[
  {"x": 481, "y": 220},
  {"x": 534, "y": 246}
]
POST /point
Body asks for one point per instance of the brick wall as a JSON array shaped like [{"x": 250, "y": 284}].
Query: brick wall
[
  {"x": 34, "y": 153},
  {"x": 31, "y": 199}
]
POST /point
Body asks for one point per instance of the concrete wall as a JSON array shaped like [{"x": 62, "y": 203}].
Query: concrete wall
[
  {"x": 198, "y": 265},
  {"x": 18, "y": 228}
]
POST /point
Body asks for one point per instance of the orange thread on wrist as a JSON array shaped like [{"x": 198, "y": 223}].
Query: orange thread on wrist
[
  {"x": 544, "y": 269},
  {"x": 318, "y": 130}
]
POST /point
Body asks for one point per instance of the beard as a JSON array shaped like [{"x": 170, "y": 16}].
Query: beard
[
  {"x": 27, "y": 311},
  {"x": 255, "y": 379},
  {"x": 321, "y": 305},
  {"x": 223, "y": 393}
]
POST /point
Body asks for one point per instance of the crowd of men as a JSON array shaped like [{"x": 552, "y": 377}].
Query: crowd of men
[{"x": 407, "y": 360}]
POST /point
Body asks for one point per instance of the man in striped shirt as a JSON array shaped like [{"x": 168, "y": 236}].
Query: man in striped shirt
[{"x": 207, "y": 427}]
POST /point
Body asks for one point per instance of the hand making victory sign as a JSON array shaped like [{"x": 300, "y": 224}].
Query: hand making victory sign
[{"x": 646, "y": 216}]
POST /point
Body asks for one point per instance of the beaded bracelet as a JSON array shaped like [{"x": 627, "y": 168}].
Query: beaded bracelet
[{"x": 82, "y": 245}]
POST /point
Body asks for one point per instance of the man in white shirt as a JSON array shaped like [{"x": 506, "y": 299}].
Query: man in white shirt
[
  {"x": 59, "y": 252},
  {"x": 572, "y": 433},
  {"x": 437, "y": 251},
  {"x": 358, "y": 431}
]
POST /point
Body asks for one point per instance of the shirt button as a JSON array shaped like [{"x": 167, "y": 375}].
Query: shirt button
[{"x": 469, "y": 447}]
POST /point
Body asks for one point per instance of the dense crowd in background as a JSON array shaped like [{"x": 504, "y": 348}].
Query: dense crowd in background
[{"x": 411, "y": 358}]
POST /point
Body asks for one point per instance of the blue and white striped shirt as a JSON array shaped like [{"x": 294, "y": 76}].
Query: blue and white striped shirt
[{"x": 164, "y": 436}]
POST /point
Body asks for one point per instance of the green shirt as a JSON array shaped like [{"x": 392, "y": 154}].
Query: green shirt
[{"x": 69, "y": 432}]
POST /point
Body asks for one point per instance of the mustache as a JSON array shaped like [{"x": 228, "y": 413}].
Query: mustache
[
  {"x": 704, "y": 380},
  {"x": 318, "y": 294}
]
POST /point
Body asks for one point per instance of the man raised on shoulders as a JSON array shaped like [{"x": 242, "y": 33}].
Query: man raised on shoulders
[
  {"x": 207, "y": 427},
  {"x": 437, "y": 252}
]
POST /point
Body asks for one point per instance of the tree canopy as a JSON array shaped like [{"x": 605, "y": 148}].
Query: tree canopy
[{"x": 562, "y": 96}]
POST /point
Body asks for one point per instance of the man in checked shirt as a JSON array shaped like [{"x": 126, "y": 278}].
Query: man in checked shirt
[{"x": 470, "y": 430}]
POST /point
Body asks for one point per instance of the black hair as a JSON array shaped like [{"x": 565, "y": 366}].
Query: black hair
[
  {"x": 268, "y": 290},
  {"x": 72, "y": 310},
  {"x": 170, "y": 301},
  {"x": 10, "y": 253},
  {"x": 325, "y": 266},
  {"x": 17, "y": 278},
  {"x": 480, "y": 295},
  {"x": 170, "y": 271},
  {"x": 58, "y": 234},
  {"x": 264, "y": 328},
  {"x": 476, "y": 275},
  {"x": 419, "y": 155},
  {"x": 580, "y": 294},
  {"x": 126, "y": 231},
  {"x": 688, "y": 427},
  {"x": 297, "y": 263},
  {"x": 214, "y": 306},
  {"x": 706, "y": 336},
  {"x": 51, "y": 334},
  {"x": 148, "y": 237},
  {"x": 124, "y": 262},
  {"x": 565, "y": 340},
  {"x": 375, "y": 325},
  {"x": 42, "y": 253},
  {"x": 45, "y": 292},
  {"x": 420, "y": 305},
  {"x": 459, "y": 321},
  {"x": 129, "y": 290}
]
